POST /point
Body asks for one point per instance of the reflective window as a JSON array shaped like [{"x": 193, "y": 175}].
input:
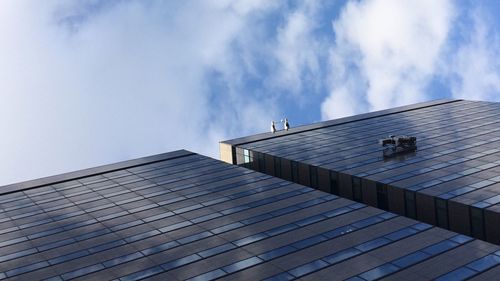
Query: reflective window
[
  {"x": 410, "y": 259},
  {"x": 439, "y": 247},
  {"x": 458, "y": 274},
  {"x": 379, "y": 271},
  {"x": 246, "y": 156}
]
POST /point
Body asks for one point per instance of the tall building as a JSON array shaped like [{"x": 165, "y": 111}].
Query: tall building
[
  {"x": 451, "y": 180},
  {"x": 180, "y": 215}
]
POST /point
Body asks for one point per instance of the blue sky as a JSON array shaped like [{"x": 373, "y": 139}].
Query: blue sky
[{"x": 90, "y": 82}]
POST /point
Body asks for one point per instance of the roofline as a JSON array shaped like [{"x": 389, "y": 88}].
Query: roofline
[
  {"x": 15, "y": 187},
  {"x": 334, "y": 122}
]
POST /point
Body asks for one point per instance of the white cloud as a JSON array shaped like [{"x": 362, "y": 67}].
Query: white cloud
[
  {"x": 385, "y": 53},
  {"x": 475, "y": 67},
  {"x": 92, "y": 82},
  {"x": 298, "y": 51}
]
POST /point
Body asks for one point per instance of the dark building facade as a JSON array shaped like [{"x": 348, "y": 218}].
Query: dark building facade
[
  {"x": 180, "y": 215},
  {"x": 452, "y": 180}
]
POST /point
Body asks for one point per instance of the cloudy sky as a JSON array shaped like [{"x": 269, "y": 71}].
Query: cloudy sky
[{"x": 89, "y": 82}]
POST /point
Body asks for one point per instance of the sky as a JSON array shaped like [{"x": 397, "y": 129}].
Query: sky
[{"x": 90, "y": 82}]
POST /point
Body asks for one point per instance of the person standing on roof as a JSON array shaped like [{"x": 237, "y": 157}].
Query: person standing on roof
[
  {"x": 286, "y": 125},
  {"x": 273, "y": 127}
]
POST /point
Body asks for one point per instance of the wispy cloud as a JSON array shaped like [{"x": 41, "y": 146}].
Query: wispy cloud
[
  {"x": 89, "y": 82},
  {"x": 473, "y": 67},
  {"x": 388, "y": 53},
  {"x": 384, "y": 54},
  {"x": 298, "y": 50}
]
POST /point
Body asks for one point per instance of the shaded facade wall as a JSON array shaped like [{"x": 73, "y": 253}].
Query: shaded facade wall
[{"x": 450, "y": 214}]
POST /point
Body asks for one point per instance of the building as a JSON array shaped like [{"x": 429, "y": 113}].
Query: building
[
  {"x": 180, "y": 215},
  {"x": 452, "y": 180}
]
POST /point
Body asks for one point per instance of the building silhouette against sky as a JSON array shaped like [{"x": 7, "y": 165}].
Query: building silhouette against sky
[{"x": 184, "y": 216}]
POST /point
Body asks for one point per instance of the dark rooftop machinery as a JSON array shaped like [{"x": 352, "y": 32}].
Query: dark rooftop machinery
[
  {"x": 180, "y": 215},
  {"x": 451, "y": 178}
]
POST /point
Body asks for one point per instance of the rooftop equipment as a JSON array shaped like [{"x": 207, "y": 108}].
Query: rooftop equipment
[
  {"x": 398, "y": 144},
  {"x": 273, "y": 127},
  {"x": 286, "y": 125}
]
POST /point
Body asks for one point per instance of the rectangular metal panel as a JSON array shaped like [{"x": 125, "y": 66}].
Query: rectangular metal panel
[
  {"x": 396, "y": 199},
  {"x": 324, "y": 180},
  {"x": 304, "y": 177},
  {"x": 458, "y": 215},
  {"x": 269, "y": 160},
  {"x": 425, "y": 208},
  {"x": 345, "y": 185},
  {"x": 286, "y": 169},
  {"x": 492, "y": 223},
  {"x": 369, "y": 192}
]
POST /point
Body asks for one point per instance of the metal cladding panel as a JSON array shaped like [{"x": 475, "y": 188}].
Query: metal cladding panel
[
  {"x": 369, "y": 192},
  {"x": 286, "y": 169},
  {"x": 492, "y": 219},
  {"x": 426, "y": 211},
  {"x": 187, "y": 216},
  {"x": 396, "y": 199},
  {"x": 459, "y": 217},
  {"x": 457, "y": 158},
  {"x": 269, "y": 164},
  {"x": 304, "y": 177},
  {"x": 324, "y": 180},
  {"x": 345, "y": 185}
]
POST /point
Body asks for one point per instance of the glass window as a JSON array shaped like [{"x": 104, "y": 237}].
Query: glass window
[
  {"x": 410, "y": 259},
  {"x": 373, "y": 244},
  {"x": 277, "y": 253},
  {"x": 308, "y": 268},
  {"x": 382, "y": 201},
  {"x": 400, "y": 234},
  {"x": 440, "y": 247},
  {"x": 342, "y": 255},
  {"x": 461, "y": 273},
  {"x": 246, "y": 156},
  {"x": 460, "y": 239},
  {"x": 379, "y": 272},
  {"x": 366, "y": 222},
  {"x": 485, "y": 263}
]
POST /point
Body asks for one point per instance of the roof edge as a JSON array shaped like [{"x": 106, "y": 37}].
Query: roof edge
[
  {"x": 339, "y": 121},
  {"x": 30, "y": 184}
]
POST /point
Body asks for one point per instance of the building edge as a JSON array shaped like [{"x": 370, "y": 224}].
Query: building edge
[
  {"x": 30, "y": 184},
  {"x": 227, "y": 147}
]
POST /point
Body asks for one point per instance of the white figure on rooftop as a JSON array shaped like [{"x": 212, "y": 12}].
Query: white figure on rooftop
[{"x": 286, "y": 125}]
